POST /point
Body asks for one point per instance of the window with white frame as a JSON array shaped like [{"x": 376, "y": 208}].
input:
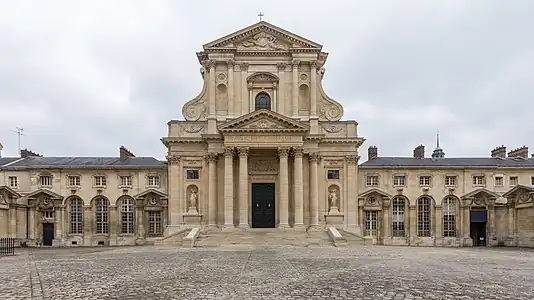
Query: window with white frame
[
  {"x": 425, "y": 180},
  {"x": 126, "y": 180},
  {"x": 74, "y": 180},
  {"x": 399, "y": 180},
  {"x": 398, "y": 207},
  {"x": 45, "y": 180},
  {"x": 127, "y": 215},
  {"x": 372, "y": 180},
  {"x": 499, "y": 181},
  {"x": 13, "y": 182},
  {"x": 102, "y": 215},
  {"x": 100, "y": 180},
  {"x": 478, "y": 180},
  {"x": 423, "y": 216},
  {"x": 153, "y": 180},
  {"x": 450, "y": 180},
  {"x": 155, "y": 225},
  {"x": 371, "y": 222},
  {"x": 449, "y": 217},
  {"x": 514, "y": 180},
  {"x": 76, "y": 216}
]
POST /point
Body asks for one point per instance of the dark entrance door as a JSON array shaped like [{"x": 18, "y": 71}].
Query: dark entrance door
[
  {"x": 479, "y": 219},
  {"x": 263, "y": 196},
  {"x": 48, "y": 234}
]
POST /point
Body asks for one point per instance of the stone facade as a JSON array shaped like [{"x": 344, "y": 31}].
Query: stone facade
[{"x": 263, "y": 145}]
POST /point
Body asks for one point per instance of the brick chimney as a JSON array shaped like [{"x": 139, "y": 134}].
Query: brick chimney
[
  {"x": 372, "y": 152},
  {"x": 419, "y": 152},
  {"x": 125, "y": 153},
  {"x": 499, "y": 152},
  {"x": 28, "y": 153},
  {"x": 519, "y": 152}
]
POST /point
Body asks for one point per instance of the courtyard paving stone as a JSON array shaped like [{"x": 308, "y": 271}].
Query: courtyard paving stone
[{"x": 245, "y": 272}]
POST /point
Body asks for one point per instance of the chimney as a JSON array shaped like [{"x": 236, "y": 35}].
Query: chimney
[
  {"x": 28, "y": 153},
  {"x": 372, "y": 152},
  {"x": 499, "y": 152},
  {"x": 519, "y": 152},
  {"x": 125, "y": 153},
  {"x": 419, "y": 152}
]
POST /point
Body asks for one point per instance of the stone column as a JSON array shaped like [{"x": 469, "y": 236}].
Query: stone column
[
  {"x": 385, "y": 215},
  {"x": 173, "y": 182},
  {"x": 231, "y": 100},
  {"x": 313, "y": 89},
  {"x": 32, "y": 223},
  {"x": 12, "y": 217},
  {"x": 229, "y": 187},
  {"x": 140, "y": 221},
  {"x": 295, "y": 89},
  {"x": 281, "y": 88},
  {"x": 88, "y": 225},
  {"x": 283, "y": 153},
  {"x": 314, "y": 190},
  {"x": 243, "y": 186},
  {"x": 298, "y": 188},
  {"x": 438, "y": 224},
  {"x": 413, "y": 223},
  {"x": 352, "y": 188},
  {"x": 245, "y": 99},
  {"x": 212, "y": 188},
  {"x": 511, "y": 222}
]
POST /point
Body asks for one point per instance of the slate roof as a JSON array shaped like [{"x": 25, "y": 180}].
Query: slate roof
[
  {"x": 85, "y": 163},
  {"x": 447, "y": 163},
  {"x": 7, "y": 160}
]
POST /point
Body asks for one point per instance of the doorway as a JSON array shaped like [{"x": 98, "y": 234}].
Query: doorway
[
  {"x": 478, "y": 224},
  {"x": 48, "y": 234},
  {"x": 263, "y": 205}
]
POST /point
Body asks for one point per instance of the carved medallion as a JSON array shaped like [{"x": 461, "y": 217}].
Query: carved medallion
[
  {"x": 334, "y": 128},
  {"x": 264, "y": 124},
  {"x": 523, "y": 197},
  {"x": 262, "y": 41},
  {"x": 193, "y": 128}
]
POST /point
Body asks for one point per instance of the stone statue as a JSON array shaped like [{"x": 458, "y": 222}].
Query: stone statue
[
  {"x": 193, "y": 198},
  {"x": 333, "y": 197}
]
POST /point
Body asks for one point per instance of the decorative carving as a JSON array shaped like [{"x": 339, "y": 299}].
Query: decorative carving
[
  {"x": 333, "y": 163},
  {"x": 192, "y": 162},
  {"x": 283, "y": 151},
  {"x": 192, "y": 200},
  {"x": 315, "y": 157},
  {"x": 243, "y": 151},
  {"x": 372, "y": 201},
  {"x": 230, "y": 63},
  {"x": 334, "y": 128},
  {"x": 297, "y": 152},
  {"x": 313, "y": 65},
  {"x": 208, "y": 64},
  {"x": 263, "y": 165},
  {"x": 264, "y": 124},
  {"x": 243, "y": 67},
  {"x": 221, "y": 77},
  {"x": 281, "y": 66},
  {"x": 332, "y": 197},
  {"x": 262, "y": 77},
  {"x": 329, "y": 111},
  {"x": 523, "y": 197},
  {"x": 295, "y": 64},
  {"x": 262, "y": 41},
  {"x": 352, "y": 159},
  {"x": 193, "y": 197},
  {"x": 212, "y": 157},
  {"x": 196, "y": 111},
  {"x": 229, "y": 152},
  {"x": 479, "y": 201},
  {"x": 193, "y": 128},
  {"x": 45, "y": 203}
]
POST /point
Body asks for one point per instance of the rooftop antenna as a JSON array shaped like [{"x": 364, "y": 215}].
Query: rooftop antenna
[
  {"x": 20, "y": 133},
  {"x": 437, "y": 140}
]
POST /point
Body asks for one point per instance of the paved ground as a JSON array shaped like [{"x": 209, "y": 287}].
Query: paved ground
[{"x": 268, "y": 273}]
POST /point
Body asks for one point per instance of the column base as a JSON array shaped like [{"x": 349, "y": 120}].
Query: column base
[
  {"x": 244, "y": 226},
  {"x": 283, "y": 227},
  {"x": 299, "y": 228},
  {"x": 315, "y": 228}
]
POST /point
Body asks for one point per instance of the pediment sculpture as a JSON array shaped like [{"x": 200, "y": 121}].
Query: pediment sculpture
[{"x": 262, "y": 41}]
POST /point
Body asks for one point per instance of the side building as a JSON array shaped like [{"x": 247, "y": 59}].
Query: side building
[
  {"x": 440, "y": 201},
  {"x": 82, "y": 201}
]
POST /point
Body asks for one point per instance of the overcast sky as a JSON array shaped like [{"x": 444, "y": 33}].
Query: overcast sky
[{"x": 84, "y": 77}]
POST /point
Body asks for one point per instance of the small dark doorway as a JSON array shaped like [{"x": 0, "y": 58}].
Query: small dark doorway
[
  {"x": 48, "y": 234},
  {"x": 263, "y": 209},
  {"x": 479, "y": 219}
]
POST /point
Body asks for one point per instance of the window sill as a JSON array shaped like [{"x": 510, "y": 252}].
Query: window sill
[
  {"x": 75, "y": 235},
  {"x": 124, "y": 186},
  {"x": 126, "y": 234}
]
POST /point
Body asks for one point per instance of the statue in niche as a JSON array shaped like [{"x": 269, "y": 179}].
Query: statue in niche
[
  {"x": 332, "y": 200},
  {"x": 193, "y": 198}
]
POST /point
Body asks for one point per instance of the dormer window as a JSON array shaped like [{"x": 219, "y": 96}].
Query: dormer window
[{"x": 263, "y": 101}]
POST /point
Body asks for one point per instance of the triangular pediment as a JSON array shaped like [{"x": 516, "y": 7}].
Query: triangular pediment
[
  {"x": 481, "y": 193},
  {"x": 46, "y": 193},
  {"x": 151, "y": 191},
  {"x": 519, "y": 189},
  {"x": 264, "y": 121},
  {"x": 376, "y": 192},
  {"x": 262, "y": 36}
]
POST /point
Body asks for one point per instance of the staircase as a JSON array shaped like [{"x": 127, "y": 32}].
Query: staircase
[
  {"x": 176, "y": 239},
  {"x": 262, "y": 237},
  {"x": 355, "y": 240}
]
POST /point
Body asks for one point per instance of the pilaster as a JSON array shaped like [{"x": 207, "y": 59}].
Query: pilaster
[
  {"x": 175, "y": 190},
  {"x": 313, "y": 89},
  {"x": 314, "y": 189},
  {"x": 229, "y": 187},
  {"x": 295, "y": 88},
  {"x": 437, "y": 220},
  {"x": 243, "y": 186},
  {"x": 283, "y": 153},
  {"x": 413, "y": 224},
  {"x": 298, "y": 187},
  {"x": 352, "y": 188},
  {"x": 512, "y": 236},
  {"x": 231, "y": 100},
  {"x": 245, "y": 99},
  {"x": 209, "y": 66},
  {"x": 281, "y": 88}
]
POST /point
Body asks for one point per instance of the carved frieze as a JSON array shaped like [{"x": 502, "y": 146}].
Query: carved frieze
[
  {"x": 262, "y": 42},
  {"x": 331, "y": 163},
  {"x": 191, "y": 162},
  {"x": 263, "y": 165},
  {"x": 193, "y": 128},
  {"x": 264, "y": 124},
  {"x": 333, "y": 128}
]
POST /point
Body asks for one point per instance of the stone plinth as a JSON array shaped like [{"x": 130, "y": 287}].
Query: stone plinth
[
  {"x": 192, "y": 218},
  {"x": 334, "y": 218}
]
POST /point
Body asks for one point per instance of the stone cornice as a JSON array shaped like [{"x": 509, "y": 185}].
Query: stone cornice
[{"x": 357, "y": 141}]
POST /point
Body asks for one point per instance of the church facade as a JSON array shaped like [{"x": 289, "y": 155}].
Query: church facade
[{"x": 264, "y": 146}]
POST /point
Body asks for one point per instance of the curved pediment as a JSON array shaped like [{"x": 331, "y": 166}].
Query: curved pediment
[
  {"x": 262, "y": 77},
  {"x": 263, "y": 121}
]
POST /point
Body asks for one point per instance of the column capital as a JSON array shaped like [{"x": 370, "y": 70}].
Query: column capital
[
  {"x": 230, "y": 63},
  {"x": 208, "y": 64},
  {"x": 173, "y": 159},
  {"x": 243, "y": 151},
  {"x": 243, "y": 66},
  {"x": 281, "y": 66},
  {"x": 212, "y": 157},
  {"x": 283, "y": 151},
  {"x": 295, "y": 63},
  {"x": 297, "y": 151},
  {"x": 313, "y": 64},
  {"x": 315, "y": 157},
  {"x": 352, "y": 159},
  {"x": 229, "y": 151}
]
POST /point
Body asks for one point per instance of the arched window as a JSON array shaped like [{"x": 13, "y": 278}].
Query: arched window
[
  {"x": 102, "y": 215},
  {"x": 127, "y": 216},
  {"x": 76, "y": 216},
  {"x": 398, "y": 206},
  {"x": 449, "y": 217},
  {"x": 263, "y": 101},
  {"x": 423, "y": 216}
]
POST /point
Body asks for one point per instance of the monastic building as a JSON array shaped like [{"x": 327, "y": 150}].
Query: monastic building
[{"x": 264, "y": 146}]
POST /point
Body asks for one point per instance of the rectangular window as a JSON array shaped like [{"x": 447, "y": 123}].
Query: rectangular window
[
  {"x": 193, "y": 174},
  {"x": 450, "y": 180},
  {"x": 397, "y": 221},
  {"x": 74, "y": 180},
  {"x": 76, "y": 216},
  {"x": 48, "y": 214},
  {"x": 100, "y": 180},
  {"x": 13, "y": 182},
  {"x": 424, "y": 180},
  {"x": 399, "y": 180},
  {"x": 478, "y": 180},
  {"x": 45, "y": 180},
  {"x": 423, "y": 217},
  {"x": 499, "y": 181},
  {"x": 449, "y": 217},
  {"x": 514, "y": 180},
  {"x": 126, "y": 180},
  {"x": 153, "y": 180},
  {"x": 372, "y": 180},
  {"x": 371, "y": 222},
  {"x": 127, "y": 216},
  {"x": 333, "y": 174},
  {"x": 155, "y": 226}
]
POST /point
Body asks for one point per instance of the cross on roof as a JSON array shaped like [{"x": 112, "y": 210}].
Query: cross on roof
[{"x": 261, "y": 15}]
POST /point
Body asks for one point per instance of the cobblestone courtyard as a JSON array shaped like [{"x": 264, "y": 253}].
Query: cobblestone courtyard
[{"x": 268, "y": 273}]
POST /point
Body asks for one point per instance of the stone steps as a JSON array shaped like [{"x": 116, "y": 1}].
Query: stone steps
[{"x": 354, "y": 240}]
